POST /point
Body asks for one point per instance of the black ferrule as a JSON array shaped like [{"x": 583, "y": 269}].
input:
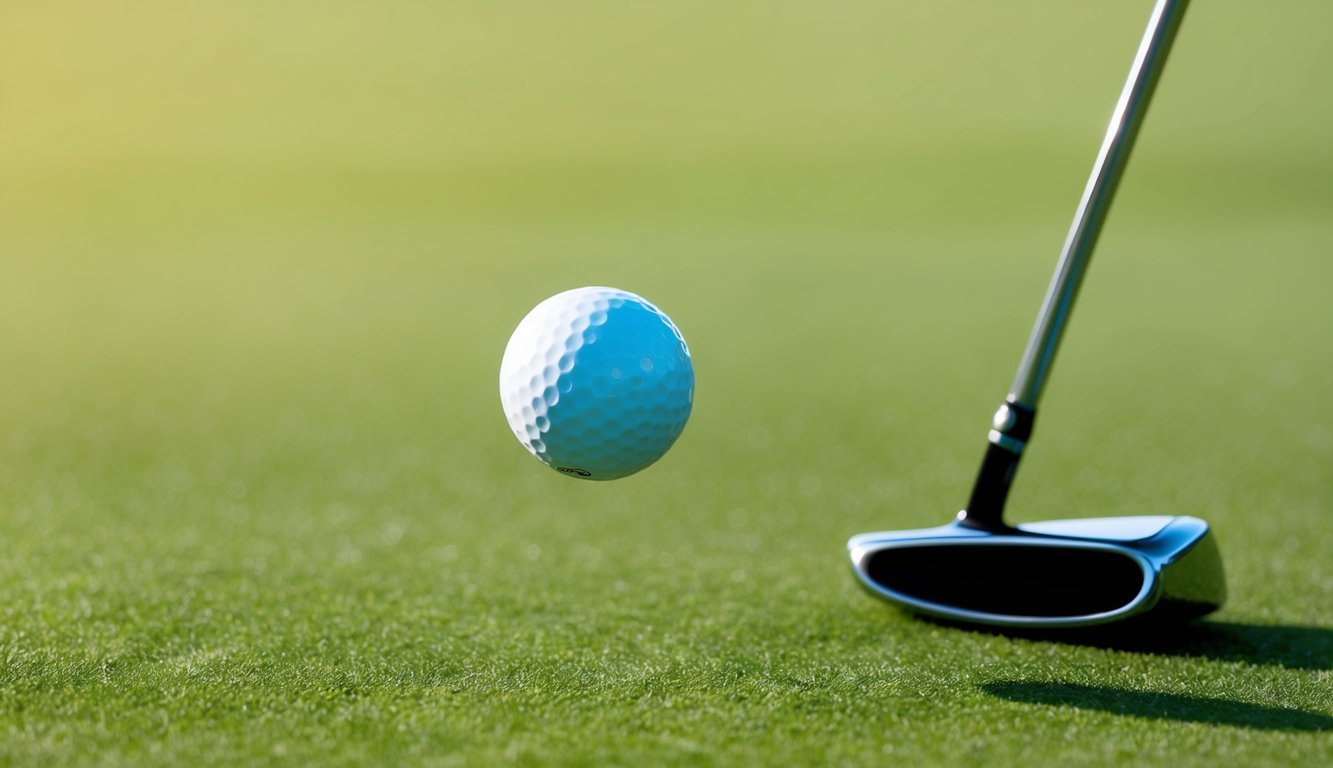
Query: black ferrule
[{"x": 985, "y": 508}]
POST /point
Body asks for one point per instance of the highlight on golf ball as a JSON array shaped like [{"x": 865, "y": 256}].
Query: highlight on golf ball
[{"x": 597, "y": 383}]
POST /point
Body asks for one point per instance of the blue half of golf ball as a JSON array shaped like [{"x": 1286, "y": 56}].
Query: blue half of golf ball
[{"x": 597, "y": 383}]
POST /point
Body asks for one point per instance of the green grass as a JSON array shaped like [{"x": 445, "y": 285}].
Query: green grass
[{"x": 258, "y": 263}]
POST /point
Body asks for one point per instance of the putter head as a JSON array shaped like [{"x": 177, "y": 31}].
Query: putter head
[{"x": 1058, "y": 573}]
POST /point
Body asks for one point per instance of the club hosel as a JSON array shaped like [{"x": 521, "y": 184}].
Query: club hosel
[{"x": 1010, "y": 430}]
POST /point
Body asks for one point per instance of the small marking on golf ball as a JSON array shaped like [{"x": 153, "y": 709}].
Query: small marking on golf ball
[{"x": 597, "y": 383}]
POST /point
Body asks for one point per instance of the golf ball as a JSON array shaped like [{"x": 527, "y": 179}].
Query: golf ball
[{"x": 597, "y": 383}]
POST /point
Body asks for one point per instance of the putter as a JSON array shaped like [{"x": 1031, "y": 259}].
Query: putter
[{"x": 1060, "y": 573}]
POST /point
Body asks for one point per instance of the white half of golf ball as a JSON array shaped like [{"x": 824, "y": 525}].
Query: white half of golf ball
[{"x": 597, "y": 383}]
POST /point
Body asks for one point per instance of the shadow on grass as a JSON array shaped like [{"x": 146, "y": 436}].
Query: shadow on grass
[
  {"x": 1293, "y": 647},
  {"x": 1159, "y": 706}
]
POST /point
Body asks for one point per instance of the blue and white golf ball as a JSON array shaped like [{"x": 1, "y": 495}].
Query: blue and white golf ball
[{"x": 597, "y": 383}]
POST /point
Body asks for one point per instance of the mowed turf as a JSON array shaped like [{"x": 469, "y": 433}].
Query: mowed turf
[{"x": 258, "y": 264}]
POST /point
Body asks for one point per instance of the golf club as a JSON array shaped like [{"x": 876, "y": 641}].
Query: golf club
[{"x": 1062, "y": 573}]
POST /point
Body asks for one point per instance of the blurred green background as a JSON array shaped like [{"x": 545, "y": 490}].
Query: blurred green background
[{"x": 259, "y": 261}]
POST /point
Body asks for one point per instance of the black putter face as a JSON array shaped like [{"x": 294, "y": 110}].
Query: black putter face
[
  {"x": 1011, "y": 578},
  {"x": 1063, "y": 573}
]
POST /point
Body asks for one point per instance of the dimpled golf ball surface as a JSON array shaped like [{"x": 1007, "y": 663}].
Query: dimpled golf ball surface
[{"x": 597, "y": 383}]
